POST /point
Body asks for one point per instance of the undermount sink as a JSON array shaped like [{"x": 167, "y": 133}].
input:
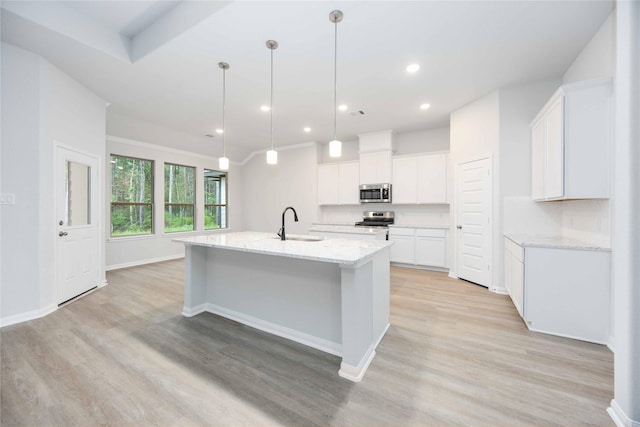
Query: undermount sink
[{"x": 303, "y": 238}]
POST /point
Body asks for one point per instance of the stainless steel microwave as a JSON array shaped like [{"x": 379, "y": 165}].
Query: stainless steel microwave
[{"x": 375, "y": 193}]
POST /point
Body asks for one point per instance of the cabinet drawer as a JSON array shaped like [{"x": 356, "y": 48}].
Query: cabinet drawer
[
  {"x": 430, "y": 232},
  {"x": 401, "y": 231},
  {"x": 514, "y": 249}
]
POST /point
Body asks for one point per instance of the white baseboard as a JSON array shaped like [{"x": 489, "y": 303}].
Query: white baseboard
[
  {"x": 29, "y": 315},
  {"x": 420, "y": 267},
  {"x": 355, "y": 373},
  {"x": 619, "y": 417},
  {"x": 275, "y": 329},
  {"x": 452, "y": 275},
  {"x": 143, "y": 262},
  {"x": 194, "y": 311},
  {"x": 499, "y": 290}
]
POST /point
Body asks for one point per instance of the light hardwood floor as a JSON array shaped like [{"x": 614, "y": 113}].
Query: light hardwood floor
[{"x": 455, "y": 354}]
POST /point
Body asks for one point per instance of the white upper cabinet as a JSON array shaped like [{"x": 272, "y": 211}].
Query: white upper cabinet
[
  {"x": 570, "y": 140},
  {"x": 375, "y": 168},
  {"x": 420, "y": 179},
  {"x": 348, "y": 191},
  {"x": 338, "y": 184},
  {"x": 375, "y": 157}
]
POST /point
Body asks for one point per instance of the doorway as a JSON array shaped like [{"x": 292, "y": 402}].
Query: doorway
[
  {"x": 473, "y": 221},
  {"x": 77, "y": 247}
]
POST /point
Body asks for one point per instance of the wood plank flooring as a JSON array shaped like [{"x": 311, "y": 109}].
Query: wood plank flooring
[{"x": 455, "y": 355}]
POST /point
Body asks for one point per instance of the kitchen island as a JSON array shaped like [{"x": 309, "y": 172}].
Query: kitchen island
[{"x": 330, "y": 294}]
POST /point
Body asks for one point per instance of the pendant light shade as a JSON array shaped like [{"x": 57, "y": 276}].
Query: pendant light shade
[
  {"x": 272, "y": 155},
  {"x": 335, "y": 146},
  {"x": 223, "y": 162}
]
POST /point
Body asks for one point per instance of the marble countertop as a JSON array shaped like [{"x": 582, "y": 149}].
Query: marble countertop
[
  {"x": 346, "y": 229},
  {"x": 340, "y": 251},
  {"x": 439, "y": 227},
  {"x": 554, "y": 242}
]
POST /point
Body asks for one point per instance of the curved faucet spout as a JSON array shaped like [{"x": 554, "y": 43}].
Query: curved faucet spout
[{"x": 281, "y": 233}]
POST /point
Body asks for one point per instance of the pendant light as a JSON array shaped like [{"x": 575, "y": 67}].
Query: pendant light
[
  {"x": 272, "y": 155},
  {"x": 223, "y": 162},
  {"x": 335, "y": 146}
]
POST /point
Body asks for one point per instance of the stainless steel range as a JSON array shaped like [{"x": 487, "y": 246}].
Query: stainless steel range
[{"x": 380, "y": 219}]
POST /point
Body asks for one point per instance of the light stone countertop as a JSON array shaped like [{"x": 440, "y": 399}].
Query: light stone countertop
[
  {"x": 347, "y": 229},
  {"x": 340, "y": 251},
  {"x": 438, "y": 227},
  {"x": 554, "y": 242}
]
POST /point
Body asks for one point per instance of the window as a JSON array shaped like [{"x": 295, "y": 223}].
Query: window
[
  {"x": 179, "y": 197},
  {"x": 131, "y": 196},
  {"x": 215, "y": 199}
]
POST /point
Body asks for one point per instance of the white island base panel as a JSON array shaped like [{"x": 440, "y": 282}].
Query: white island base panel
[{"x": 341, "y": 309}]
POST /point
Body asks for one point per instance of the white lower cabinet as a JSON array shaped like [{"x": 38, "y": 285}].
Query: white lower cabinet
[
  {"x": 419, "y": 246},
  {"x": 514, "y": 273},
  {"x": 561, "y": 291}
]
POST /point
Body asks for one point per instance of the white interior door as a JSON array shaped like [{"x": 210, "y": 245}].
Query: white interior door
[
  {"x": 474, "y": 221},
  {"x": 77, "y": 223}
]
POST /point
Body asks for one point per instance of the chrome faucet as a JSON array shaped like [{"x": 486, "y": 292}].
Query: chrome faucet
[{"x": 295, "y": 218}]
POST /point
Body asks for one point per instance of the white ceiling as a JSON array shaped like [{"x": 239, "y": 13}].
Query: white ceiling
[{"x": 157, "y": 60}]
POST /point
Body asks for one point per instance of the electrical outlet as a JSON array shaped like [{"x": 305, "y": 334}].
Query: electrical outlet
[{"x": 7, "y": 199}]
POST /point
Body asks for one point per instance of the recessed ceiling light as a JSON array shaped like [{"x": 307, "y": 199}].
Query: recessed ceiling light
[
  {"x": 307, "y": 129},
  {"x": 265, "y": 108},
  {"x": 219, "y": 131},
  {"x": 412, "y": 68},
  {"x": 425, "y": 106},
  {"x": 343, "y": 107}
]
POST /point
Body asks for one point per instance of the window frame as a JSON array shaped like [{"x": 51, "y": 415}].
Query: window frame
[
  {"x": 151, "y": 204},
  {"x": 225, "y": 205},
  {"x": 193, "y": 205}
]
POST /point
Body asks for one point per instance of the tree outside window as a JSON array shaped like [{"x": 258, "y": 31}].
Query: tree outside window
[
  {"x": 215, "y": 199},
  {"x": 179, "y": 198},
  {"x": 131, "y": 196}
]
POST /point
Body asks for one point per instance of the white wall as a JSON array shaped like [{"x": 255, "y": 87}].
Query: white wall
[
  {"x": 134, "y": 250},
  {"x": 41, "y": 107},
  {"x": 422, "y": 141},
  {"x": 597, "y": 59},
  {"x": 590, "y": 220},
  {"x": 20, "y": 231},
  {"x": 498, "y": 125},
  {"x": 269, "y": 189}
]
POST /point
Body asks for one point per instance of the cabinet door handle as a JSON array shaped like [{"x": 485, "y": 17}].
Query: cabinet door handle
[
  {"x": 459, "y": 227},
  {"x": 62, "y": 233}
]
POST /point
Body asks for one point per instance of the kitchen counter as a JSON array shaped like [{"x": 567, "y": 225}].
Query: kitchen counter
[
  {"x": 330, "y": 294},
  {"x": 348, "y": 229},
  {"x": 435, "y": 227},
  {"x": 554, "y": 242},
  {"x": 340, "y": 251}
]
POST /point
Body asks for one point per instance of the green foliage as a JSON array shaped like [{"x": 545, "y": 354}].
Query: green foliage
[{"x": 131, "y": 196}]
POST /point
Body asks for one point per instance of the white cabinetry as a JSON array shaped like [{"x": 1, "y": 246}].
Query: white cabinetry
[
  {"x": 338, "y": 184},
  {"x": 430, "y": 247},
  {"x": 375, "y": 168},
  {"x": 402, "y": 249},
  {"x": 514, "y": 273},
  {"x": 561, "y": 290},
  {"x": 420, "y": 179},
  {"x": 419, "y": 246},
  {"x": 375, "y": 157},
  {"x": 570, "y": 139}
]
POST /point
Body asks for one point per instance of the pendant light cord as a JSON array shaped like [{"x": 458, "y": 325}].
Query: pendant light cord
[
  {"x": 224, "y": 106},
  {"x": 335, "y": 81},
  {"x": 271, "y": 106}
]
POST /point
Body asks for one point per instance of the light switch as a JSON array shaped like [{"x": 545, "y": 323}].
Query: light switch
[{"x": 7, "y": 199}]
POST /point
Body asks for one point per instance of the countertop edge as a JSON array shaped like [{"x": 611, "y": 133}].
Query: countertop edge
[{"x": 554, "y": 242}]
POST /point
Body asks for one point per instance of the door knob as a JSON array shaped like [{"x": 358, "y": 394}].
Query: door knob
[
  {"x": 62, "y": 233},
  {"x": 459, "y": 227}
]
